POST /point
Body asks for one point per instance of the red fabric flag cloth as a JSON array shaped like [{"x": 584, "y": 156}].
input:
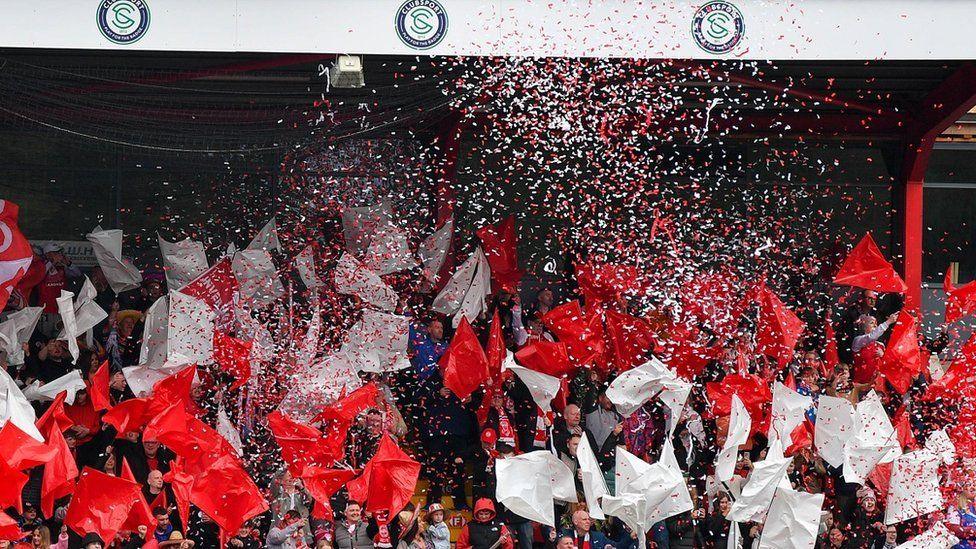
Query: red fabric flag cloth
[
  {"x": 496, "y": 351},
  {"x": 866, "y": 268},
  {"x": 56, "y": 415},
  {"x": 322, "y": 483},
  {"x": 711, "y": 300},
  {"x": 500, "y": 245},
  {"x": 101, "y": 504},
  {"x": 388, "y": 480},
  {"x": 348, "y": 407},
  {"x": 170, "y": 390},
  {"x": 141, "y": 512},
  {"x": 226, "y": 493},
  {"x": 631, "y": 339},
  {"x": 12, "y": 484},
  {"x": 960, "y": 379},
  {"x": 801, "y": 437},
  {"x": 187, "y": 436},
  {"x": 15, "y": 251},
  {"x": 903, "y": 429},
  {"x": 831, "y": 358},
  {"x": 778, "y": 328},
  {"x": 301, "y": 445},
  {"x": 605, "y": 282},
  {"x": 233, "y": 356},
  {"x": 22, "y": 451},
  {"x": 98, "y": 391},
  {"x": 10, "y": 529},
  {"x": 880, "y": 478},
  {"x": 464, "y": 366},
  {"x": 685, "y": 352},
  {"x": 901, "y": 361},
  {"x": 59, "y": 473},
  {"x": 582, "y": 333},
  {"x": 128, "y": 416},
  {"x": 960, "y": 302},
  {"x": 753, "y": 391},
  {"x": 181, "y": 483},
  {"x": 546, "y": 357}
]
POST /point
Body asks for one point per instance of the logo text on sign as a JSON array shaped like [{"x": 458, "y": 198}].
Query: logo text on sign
[
  {"x": 718, "y": 27},
  {"x": 122, "y": 21},
  {"x": 421, "y": 24}
]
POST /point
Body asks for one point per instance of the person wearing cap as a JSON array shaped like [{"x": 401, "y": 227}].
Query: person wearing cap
[
  {"x": 287, "y": 534},
  {"x": 125, "y": 338},
  {"x": 92, "y": 541},
  {"x": 412, "y": 531},
  {"x": 176, "y": 541},
  {"x": 483, "y": 466},
  {"x": 437, "y": 531}
]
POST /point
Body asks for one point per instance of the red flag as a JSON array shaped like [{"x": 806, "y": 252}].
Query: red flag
[
  {"x": 866, "y": 268},
  {"x": 21, "y": 450},
  {"x": 128, "y": 415},
  {"x": 464, "y": 366},
  {"x": 960, "y": 302},
  {"x": 778, "y": 329},
  {"x": 546, "y": 357},
  {"x": 500, "y": 246},
  {"x": 141, "y": 512},
  {"x": 170, "y": 390},
  {"x": 496, "y": 351},
  {"x": 605, "y": 282},
  {"x": 59, "y": 473},
  {"x": 901, "y": 361},
  {"x": 752, "y": 390},
  {"x": 216, "y": 287},
  {"x": 98, "y": 390},
  {"x": 233, "y": 356},
  {"x": 582, "y": 334},
  {"x": 56, "y": 415},
  {"x": 686, "y": 354},
  {"x": 186, "y": 435},
  {"x": 323, "y": 483},
  {"x": 226, "y": 493},
  {"x": 388, "y": 480},
  {"x": 880, "y": 477},
  {"x": 903, "y": 429},
  {"x": 12, "y": 484},
  {"x": 101, "y": 504},
  {"x": 347, "y": 408},
  {"x": 960, "y": 378},
  {"x": 801, "y": 437},
  {"x": 159, "y": 501},
  {"x": 181, "y": 483},
  {"x": 831, "y": 358},
  {"x": 631, "y": 338},
  {"x": 9, "y": 529},
  {"x": 15, "y": 251},
  {"x": 301, "y": 445}
]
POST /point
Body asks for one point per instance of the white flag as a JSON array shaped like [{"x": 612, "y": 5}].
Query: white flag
[
  {"x": 359, "y": 224},
  {"x": 352, "y": 277},
  {"x": 528, "y": 483},
  {"x": 183, "y": 261},
  {"x": 155, "y": 333},
  {"x": 914, "y": 488},
  {"x": 739, "y": 426},
  {"x": 936, "y": 537},
  {"x": 141, "y": 379},
  {"x": 190, "y": 330},
  {"x": 388, "y": 251},
  {"x": 267, "y": 238},
  {"x": 318, "y": 385},
  {"x": 834, "y": 426},
  {"x": 305, "y": 264},
  {"x": 542, "y": 387},
  {"x": 433, "y": 252},
  {"x": 120, "y": 273},
  {"x": 594, "y": 484},
  {"x": 793, "y": 520},
  {"x": 257, "y": 277},
  {"x": 466, "y": 293},
  {"x": 789, "y": 409},
  {"x": 69, "y": 330},
  {"x": 16, "y": 331},
  {"x": 939, "y": 443},
  {"x": 79, "y": 316},
  {"x": 229, "y": 431},
  {"x": 632, "y": 388},
  {"x": 15, "y": 407},
  {"x": 757, "y": 493},
  {"x": 71, "y": 383},
  {"x": 379, "y": 341},
  {"x": 874, "y": 440}
]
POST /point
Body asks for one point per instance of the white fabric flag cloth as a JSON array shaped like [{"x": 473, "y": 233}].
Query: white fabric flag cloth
[
  {"x": 267, "y": 238},
  {"x": 16, "y": 331},
  {"x": 936, "y": 537},
  {"x": 229, "y": 431},
  {"x": 528, "y": 483},
  {"x": 594, "y": 484},
  {"x": 15, "y": 407},
  {"x": 835, "y": 425},
  {"x": 305, "y": 264},
  {"x": 914, "y": 488},
  {"x": 739, "y": 426},
  {"x": 183, "y": 261},
  {"x": 542, "y": 387},
  {"x": 120, "y": 273},
  {"x": 352, "y": 277},
  {"x": 874, "y": 440},
  {"x": 70, "y": 383},
  {"x": 631, "y": 389},
  {"x": 319, "y": 385},
  {"x": 308, "y": 347},
  {"x": 433, "y": 252},
  {"x": 793, "y": 520},
  {"x": 939, "y": 443},
  {"x": 789, "y": 411},
  {"x": 388, "y": 251},
  {"x": 141, "y": 379},
  {"x": 155, "y": 330},
  {"x": 358, "y": 224},
  {"x": 379, "y": 340},
  {"x": 257, "y": 277},
  {"x": 78, "y": 316},
  {"x": 190, "y": 329},
  {"x": 262, "y": 342},
  {"x": 466, "y": 293},
  {"x": 758, "y": 491}
]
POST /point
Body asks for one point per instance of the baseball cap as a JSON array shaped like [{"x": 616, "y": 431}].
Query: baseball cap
[
  {"x": 434, "y": 507},
  {"x": 489, "y": 436}
]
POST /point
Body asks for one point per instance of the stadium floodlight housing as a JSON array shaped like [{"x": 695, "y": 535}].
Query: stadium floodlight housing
[{"x": 347, "y": 72}]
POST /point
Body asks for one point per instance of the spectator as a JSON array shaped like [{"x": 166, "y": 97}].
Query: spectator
[
  {"x": 287, "y": 533},
  {"x": 437, "y": 530},
  {"x": 567, "y": 426},
  {"x": 144, "y": 456},
  {"x": 582, "y": 534},
  {"x": 866, "y": 347},
  {"x": 351, "y": 531},
  {"x": 484, "y": 531},
  {"x": 59, "y": 274},
  {"x": 602, "y": 421}
]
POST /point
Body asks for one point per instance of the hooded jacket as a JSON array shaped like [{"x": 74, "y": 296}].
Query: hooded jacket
[{"x": 483, "y": 535}]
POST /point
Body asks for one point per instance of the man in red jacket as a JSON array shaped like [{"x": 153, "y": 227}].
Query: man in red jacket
[{"x": 484, "y": 531}]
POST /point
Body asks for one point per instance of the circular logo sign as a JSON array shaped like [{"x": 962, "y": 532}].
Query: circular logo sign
[
  {"x": 123, "y": 21},
  {"x": 421, "y": 24},
  {"x": 718, "y": 27}
]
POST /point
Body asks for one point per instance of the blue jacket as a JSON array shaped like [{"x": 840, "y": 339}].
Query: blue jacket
[{"x": 426, "y": 353}]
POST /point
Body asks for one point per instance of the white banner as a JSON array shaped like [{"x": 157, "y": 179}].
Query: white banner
[{"x": 699, "y": 29}]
